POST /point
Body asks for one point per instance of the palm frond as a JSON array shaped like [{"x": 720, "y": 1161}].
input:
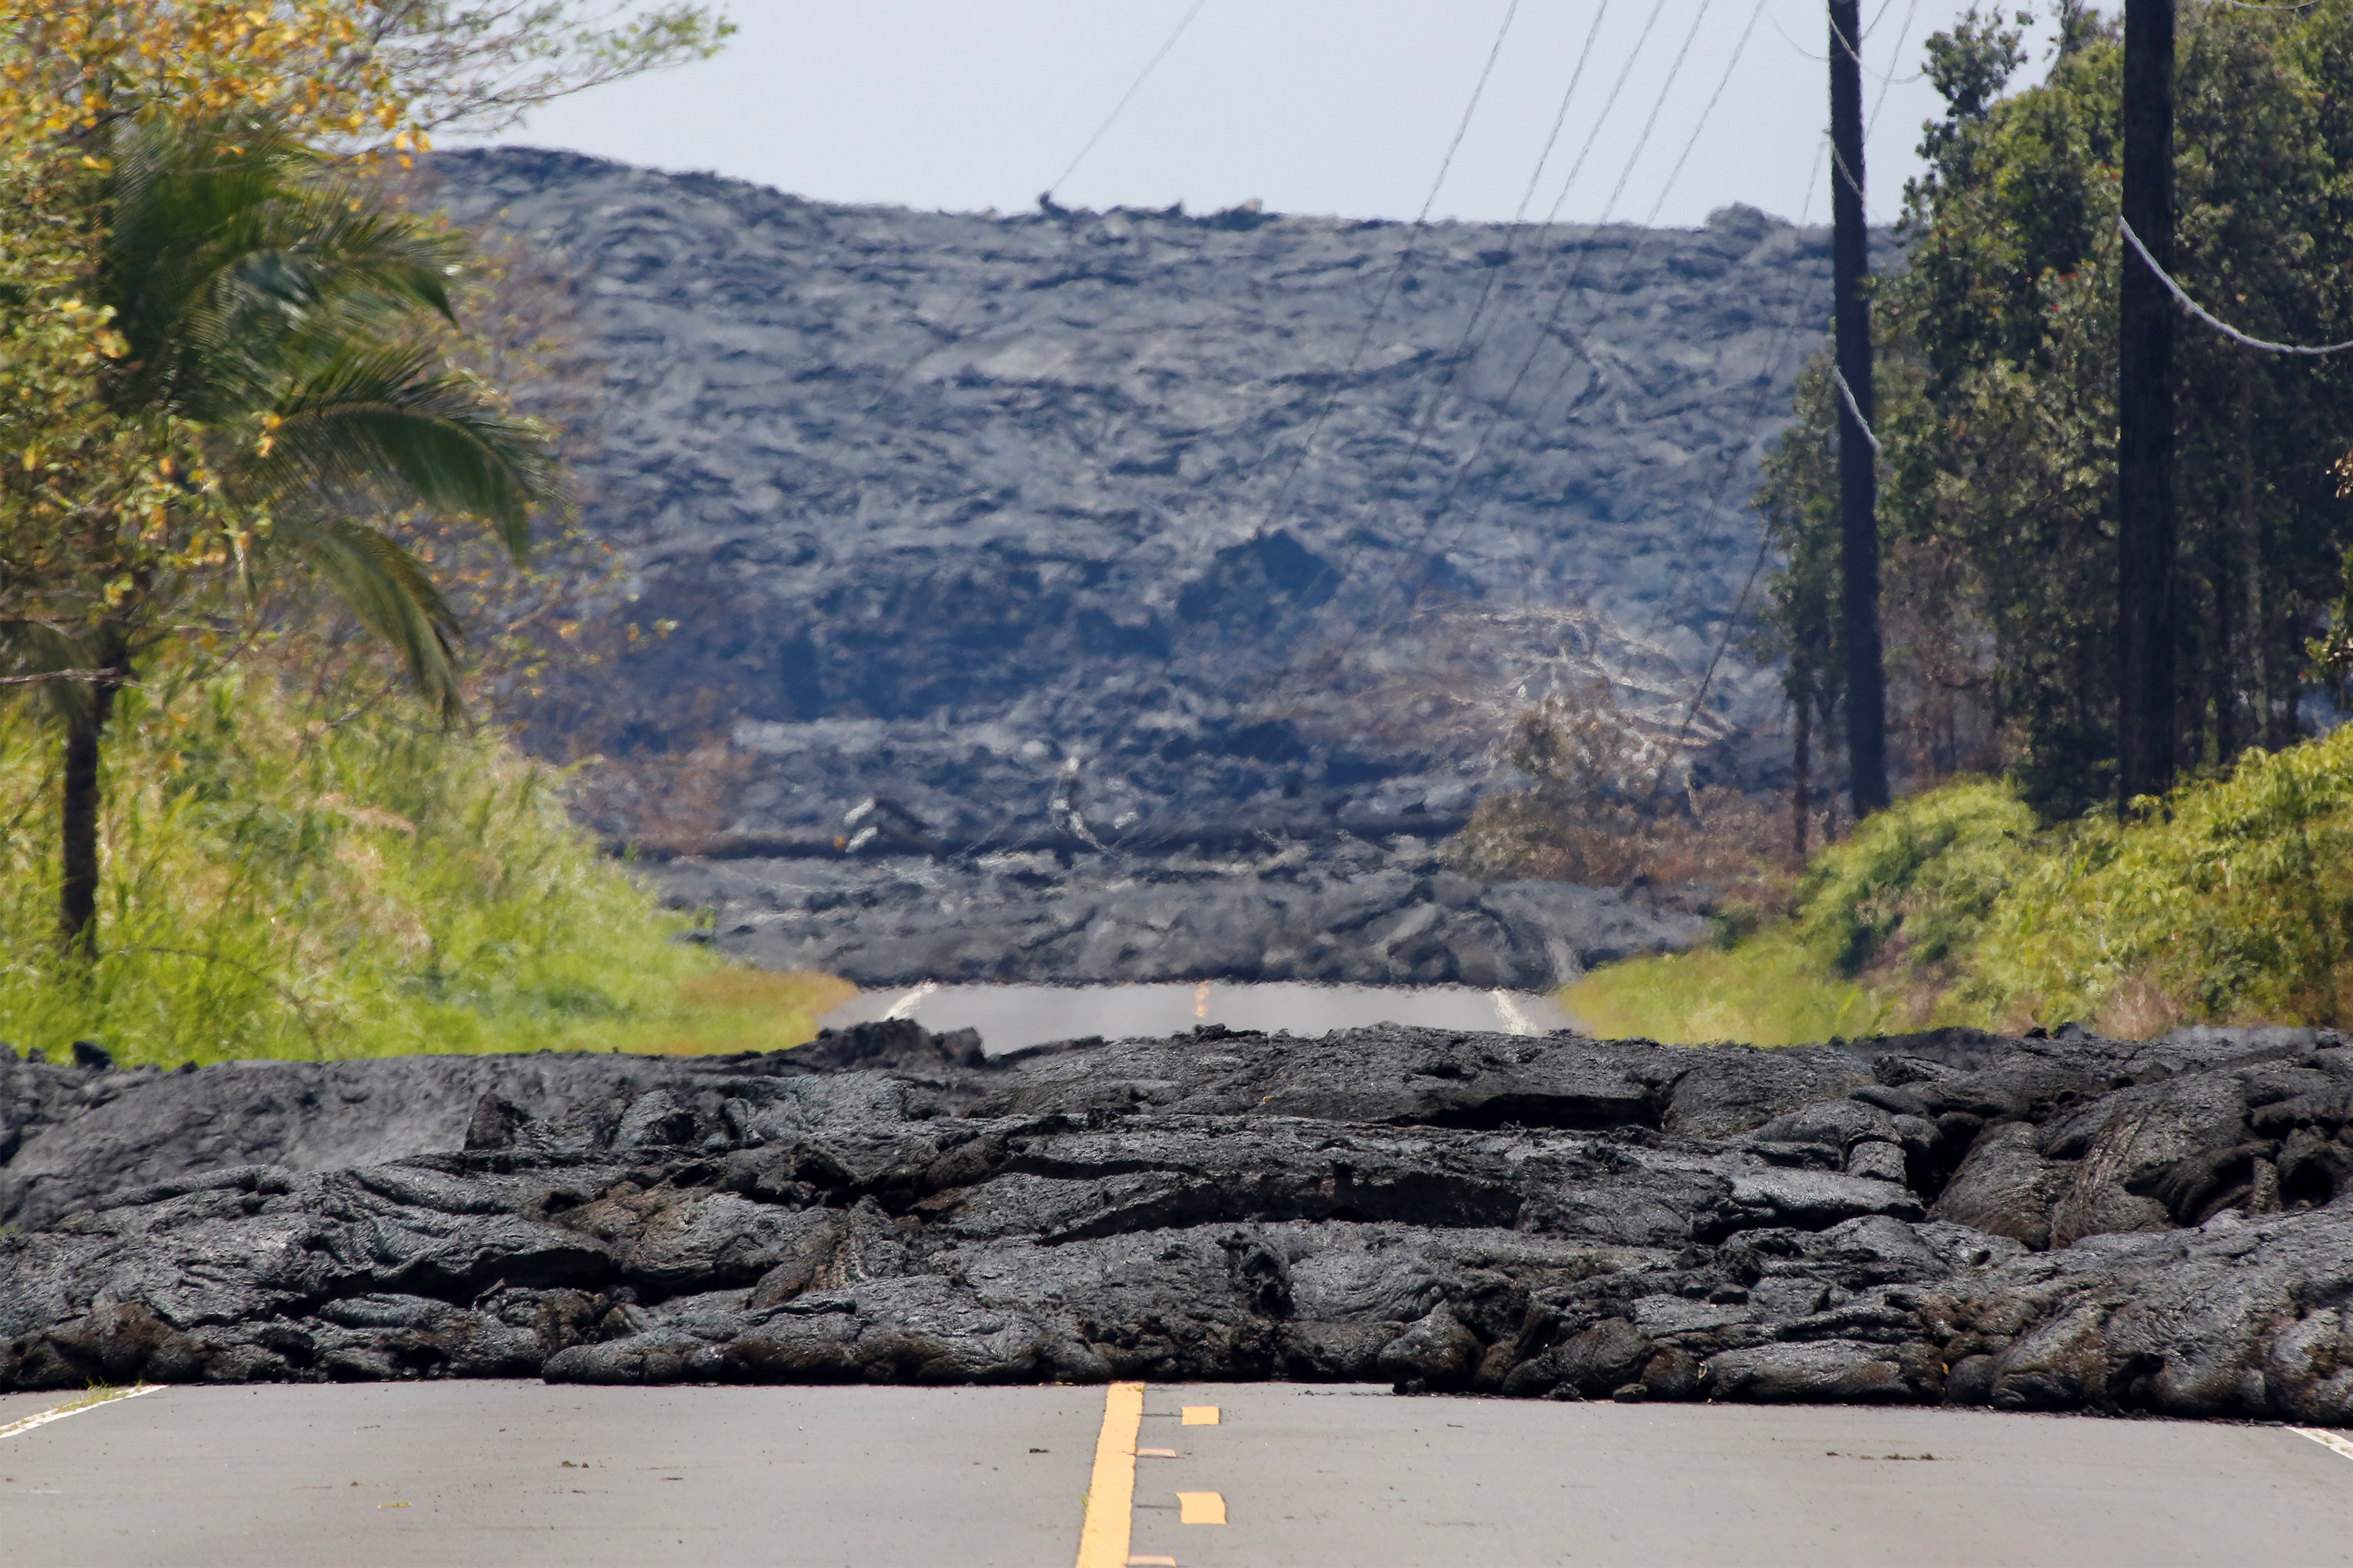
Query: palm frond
[
  {"x": 383, "y": 420},
  {"x": 228, "y": 252},
  {"x": 392, "y": 595}
]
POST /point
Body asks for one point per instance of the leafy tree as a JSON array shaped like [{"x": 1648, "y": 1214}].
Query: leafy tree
[
  {"x": 205, "y": 368},
  {"x": 269, "y": 314},
  {"x": 482, "y": 65},
  {"x": 1998, "y": 404}
]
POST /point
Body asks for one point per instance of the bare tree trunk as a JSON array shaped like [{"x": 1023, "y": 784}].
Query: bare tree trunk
[
  {"x": 1801, "y": 804},
  {"x": 85, "y": 717},
  {"x": 2251, "y": 568}
]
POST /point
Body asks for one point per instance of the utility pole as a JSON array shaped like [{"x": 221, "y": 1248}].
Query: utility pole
[
  {"x": 2144, "y": 516},
  {"x": 1866, "y": 682}
]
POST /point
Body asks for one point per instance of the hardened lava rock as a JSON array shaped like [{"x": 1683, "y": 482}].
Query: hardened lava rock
[{"x": 2070, "y": 1222}]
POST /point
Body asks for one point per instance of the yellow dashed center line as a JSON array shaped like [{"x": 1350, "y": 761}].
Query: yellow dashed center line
[
  {"x": 1104, "y": 1538},
  {"x": 1110, "y": 1495}
]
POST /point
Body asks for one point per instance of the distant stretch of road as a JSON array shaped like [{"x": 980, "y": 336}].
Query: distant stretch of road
[{"x": 490, "y": 1474}]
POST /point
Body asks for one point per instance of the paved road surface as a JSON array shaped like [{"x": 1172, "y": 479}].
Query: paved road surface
[
  {"x": 1011, "y": 1017},
  {"x": 492, "y": 1474}
]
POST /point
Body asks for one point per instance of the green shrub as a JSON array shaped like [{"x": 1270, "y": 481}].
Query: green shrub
[
  {"x": 2233, "y": 903},
  {"x": 284, "y": 878},
  {"x": 1920, "y": 877}
]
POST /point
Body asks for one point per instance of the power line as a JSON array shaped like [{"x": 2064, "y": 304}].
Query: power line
[
  {"x": 1422, "y": 426},
  {"x": 948, "y": 324},
  {"x": 1544, "y": 333},
  {"x": 1757, "y": 411},
  {"x": 1128, "y": 97},
  {"x": 1577, "y": 268},
  {"x": 1764, "y": 535},
  {"x": 2211, "y": 319},
  {"x": 1854, "y": 410},
  {"x": 1464, "y": 349},
  {"x": 1404, "y": 259},
  {"x": 1306, "y": 445},
  {"x": 1560, "y": 117}
]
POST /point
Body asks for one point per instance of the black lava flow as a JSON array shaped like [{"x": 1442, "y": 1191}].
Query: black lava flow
[{"x": 1958, "y": 1218}]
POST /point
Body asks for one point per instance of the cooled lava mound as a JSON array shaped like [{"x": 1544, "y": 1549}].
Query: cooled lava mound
[{"x": 2069, "y": 1223}]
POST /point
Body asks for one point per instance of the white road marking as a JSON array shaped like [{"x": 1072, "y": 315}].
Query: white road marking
[
  {"x": 904, "y": 1007},
  {"x": 14, "y": 1428},
  {"x": 1516, "y": 1018},
  {"x": 2336, "y": 1440}
]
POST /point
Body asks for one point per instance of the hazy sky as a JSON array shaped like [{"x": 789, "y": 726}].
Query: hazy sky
[{"x": 1316, "y": 106}]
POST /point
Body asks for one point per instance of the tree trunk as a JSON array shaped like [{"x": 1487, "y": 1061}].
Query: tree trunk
[
  {"x": 2145, "y": 529},
  {"x": 1801, "y": 804},
  {"x": 86, "y": 717}
]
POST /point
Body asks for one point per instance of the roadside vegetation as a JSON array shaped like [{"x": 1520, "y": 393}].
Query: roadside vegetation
[
  {"x": 293, "y": 871},
  {"x": 264, "y": 489},
  {"x": 2007, "y": 887},
  {"x": 2232, "y": 903}
]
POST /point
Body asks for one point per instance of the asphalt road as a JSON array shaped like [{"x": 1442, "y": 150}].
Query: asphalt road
[{"x": 492, "y": 1474}]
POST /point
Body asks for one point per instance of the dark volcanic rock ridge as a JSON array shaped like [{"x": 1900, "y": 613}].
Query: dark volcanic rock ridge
[
  {"x": 943, "y": 502},
  {"x": 2069, "y": 1223},
  {"x": 1350, "y": 910}
]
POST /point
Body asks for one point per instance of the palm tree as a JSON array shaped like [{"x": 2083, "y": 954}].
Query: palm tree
[{"x": 280, "y": 312}]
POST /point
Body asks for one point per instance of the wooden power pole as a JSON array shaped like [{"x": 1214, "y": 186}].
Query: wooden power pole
[
  {"x": 2144, "y": 516},
  {"x": 1866, "y": 683}
]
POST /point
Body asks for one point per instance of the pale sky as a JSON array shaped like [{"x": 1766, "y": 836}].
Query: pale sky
[{"x": 1338, "y": 107}]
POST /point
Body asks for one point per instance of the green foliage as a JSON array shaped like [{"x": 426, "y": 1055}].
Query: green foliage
[
  {"x": 1925, "y": 875},
  {"x": 2237, "y": 904},
  {"x": 2233, "y": 903},
  {"x": 283, "y": 312},
  {"x": 1766, "y": 990},
  {"x": 1997, "y": 403},
  {"x": 288, "y": 877}
]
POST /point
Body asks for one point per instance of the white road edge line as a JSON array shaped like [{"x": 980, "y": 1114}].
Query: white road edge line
[
  {"x": 2341, "y": 1444},
  {"x": 1516, "y": 1018},
  {"x": 16, "y": 1428},
  {"x": 904, "y": 1007}
]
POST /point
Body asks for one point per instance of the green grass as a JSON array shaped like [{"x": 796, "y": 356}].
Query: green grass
[
  {"x": 1766, "y": 990},
  {"x": 284, "y": 877},
  {"x": 2233, "y": 903}
]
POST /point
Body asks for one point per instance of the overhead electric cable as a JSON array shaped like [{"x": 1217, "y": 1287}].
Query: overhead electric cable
[
  {"x": 1756, "y": 412},
  {"x": 1764, "y": 535},
  {"x": 1854, "y": 411},
  {"x": 1560, "y": 116},
  {"x": 956, "y": 312},
  {"x": 1388, "y": 286},
  {"x": 1465, "y": 350},
  {"x": 1903, "y": 35},
  {"x": 2182, "y": 297},
  {"x": 1128, "y": 97},
  {"x": 1487, "y": 288},
  {"x": 1534, "y": 181},
  {"x": 1544, "y": 333},
  {"x": 1576, "y": 267}
]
